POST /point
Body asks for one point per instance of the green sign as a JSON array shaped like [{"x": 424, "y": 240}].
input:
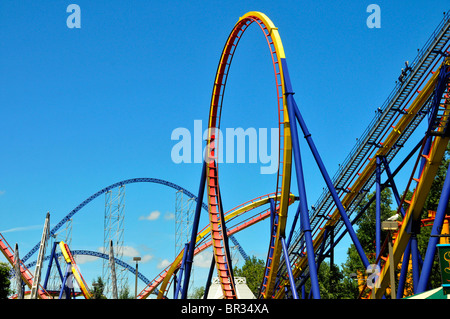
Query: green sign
[{"x": 444, "y": 261}]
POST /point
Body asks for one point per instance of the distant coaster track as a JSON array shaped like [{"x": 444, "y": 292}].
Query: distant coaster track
[
  {"x": 103, "y": 191},
  {"x": 84, "y": 252}
]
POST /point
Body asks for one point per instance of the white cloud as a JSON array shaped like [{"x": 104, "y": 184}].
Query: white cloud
[
  {"x": 22, "y": 228},
  {"x": 152, "y": 216},
  {"x": 169, "y": 216},
  {"x": 203, "y": 260},
  {"x": 2, "y": 192},
  {"x": 130, "y": 252},
  {"x": 146, "y": 258},
  {"x": 163, "y": 263},
  {"x": 83, "y": 259}
]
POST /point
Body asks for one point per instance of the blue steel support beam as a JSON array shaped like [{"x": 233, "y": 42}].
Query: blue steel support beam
[
  {"x": 328, "y": 181},
  {"x": 64, "y": 286},
  {"x": 331, "y": 188},
  {"x": 190, "y": 255},
  {"x": 415, "y": 261},
  {"x": 294, "y": 224},
  {"x": 291, "y": 276},
  {"x": 49, "y": 267},
  {"x": 404, "y": 271},
  {"x": 435, "y": 232},
  {"x": 183, "y": 266},
  {"x": 273, "y": 221},
  {"x": 378, "y": 209},
  {"x": 225, "y": 239},
  {"x": 304, "y": 215},
  {"x": 392, "y": 184},
  {"x": 210, "y": 274},
  {"x": 441, "y": 85}
]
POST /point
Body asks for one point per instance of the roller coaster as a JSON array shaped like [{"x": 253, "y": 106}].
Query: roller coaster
[{"x": 294, "y": 256}]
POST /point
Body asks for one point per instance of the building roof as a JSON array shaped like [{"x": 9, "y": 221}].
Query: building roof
[{"x": 242, "y": 290}]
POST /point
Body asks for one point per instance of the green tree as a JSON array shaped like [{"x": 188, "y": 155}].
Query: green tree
[
  {"x": 125, "y": 293},
  {"x": 5, "y": 290},
  {"x": 366, "y": 234},
  {"x": 197, "y": 293},
  {"x": 99, "y": 286},
  {"x": 333, "y": 284},
  {"x": 253, "y": 271}
]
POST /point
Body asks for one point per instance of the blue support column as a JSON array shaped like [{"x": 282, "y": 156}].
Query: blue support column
[
  {"x": 392, "y": 184},
  {"x": 304, "y": 215},
  {"x": 294, "y": 224},
  {"x": 183, "y": 266},
  {"x": 208, "y": 281},
  {"x": 273, "y": 220},
  {"x": 64, "y": 287},
  {"x": 50, "y": 263},
  {"x": 415, "y": 261},
  {"x": 404, "y": 271},
  {"x": 289, "y": 270},
  {"x": 323, "y": 171},
  {"x": 378, "y": 209},
  {"x": 190, "y": 255},
  {"x": 435, "y": 232},
  {"x": 272, "y": 213}
]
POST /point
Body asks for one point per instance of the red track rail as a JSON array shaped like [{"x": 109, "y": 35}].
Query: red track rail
[
  {"x": 24, "y": 272},
  {"x": 283, "y": 178}
]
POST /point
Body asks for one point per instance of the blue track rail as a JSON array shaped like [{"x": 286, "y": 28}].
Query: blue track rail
[
  {"x": 104, "y": 190},
  {"x": 99, "y": 255},
  {"x": 115, "y": 185}
]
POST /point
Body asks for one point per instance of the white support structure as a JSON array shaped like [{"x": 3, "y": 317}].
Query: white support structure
[
  {"x": 114, "y": 231},
  {"x": 40, "y": 260},
  {"x": 19, "y": 281},
  {"x": 184, "y": 213},
  {"x": 112, "y": 266},
  {"x": 65, "y": 235}
]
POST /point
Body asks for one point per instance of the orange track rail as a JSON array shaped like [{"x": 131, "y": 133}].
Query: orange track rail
[{"x": 24, "y": 271}]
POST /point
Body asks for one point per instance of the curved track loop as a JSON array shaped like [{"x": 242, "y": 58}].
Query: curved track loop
[{"x": 285, "y": 152}]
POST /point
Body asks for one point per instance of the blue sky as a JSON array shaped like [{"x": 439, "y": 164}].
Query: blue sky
[{"x": 84, "y": 108}]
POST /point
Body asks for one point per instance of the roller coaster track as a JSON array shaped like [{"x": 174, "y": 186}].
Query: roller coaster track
[
  {"x": 284, "y": 169},
  {"x": 84, "y": 252},
  {"x": 396, "y": 120},
  {"x": 25, "y": 273},
  {"x": 203, "y": 240},
  {"x": 400, "y": 115},
  {"x": 240, "y": 209},
  {"x": 433, "y": 159},
  {"x": 67, "y": 254},
  {"x": 104, "y": 190}
]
